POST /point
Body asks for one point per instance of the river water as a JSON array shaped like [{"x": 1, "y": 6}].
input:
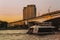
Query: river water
[{"x": 21, "y": 35}]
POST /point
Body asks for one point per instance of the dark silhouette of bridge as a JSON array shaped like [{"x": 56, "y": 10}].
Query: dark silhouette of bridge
[{"x": 42, "y": 18}]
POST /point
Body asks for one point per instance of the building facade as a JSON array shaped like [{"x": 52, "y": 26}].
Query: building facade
[{"x": 29, "y": 12}]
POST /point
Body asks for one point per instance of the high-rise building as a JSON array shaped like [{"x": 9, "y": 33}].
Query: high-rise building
[
  {"x": 25, "y": 13},
  {"x": 29, "y": 12}
]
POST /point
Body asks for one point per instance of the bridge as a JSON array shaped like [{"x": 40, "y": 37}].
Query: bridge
[{"x": 42, "y": 18}]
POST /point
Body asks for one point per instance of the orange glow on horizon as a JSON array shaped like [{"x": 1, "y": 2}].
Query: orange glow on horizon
[
  {"x": 10, "y": 19},
  {"x": 12, "y": 10}
]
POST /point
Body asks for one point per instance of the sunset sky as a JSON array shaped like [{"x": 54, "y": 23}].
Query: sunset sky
[{"x": 12, "y": 10}]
